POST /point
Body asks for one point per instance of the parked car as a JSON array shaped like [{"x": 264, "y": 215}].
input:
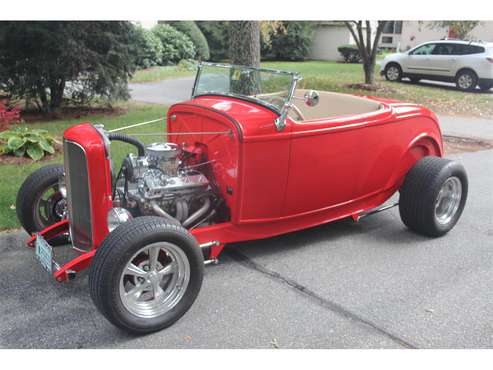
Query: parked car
[
  {"x": 468, "y": 64},
  {"x": 244, "y": 159}
]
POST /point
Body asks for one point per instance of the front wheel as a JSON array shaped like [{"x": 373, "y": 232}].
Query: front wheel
[
  {"x": 40, "y": 202},
  {"x": 393, "y": 72},
  {"x": 146, "y": 274},
  {"x": 433, "y": 196}
]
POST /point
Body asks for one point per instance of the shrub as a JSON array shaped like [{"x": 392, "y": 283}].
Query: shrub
[
  {"x": 217, "y": 35},
  {"x": 149, "y": 50},
  {"x": 191, "y": 29},
  {"x": 38, "y": 60},
  {"x": 290, "y": 40},
  {"x": 350, "y": 53},
  {"x": 176, "y": 45},
  {"x": 22, "y": 141}
]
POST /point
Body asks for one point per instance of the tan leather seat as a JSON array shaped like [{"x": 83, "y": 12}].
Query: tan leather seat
[{"x": 333, "y": 104}]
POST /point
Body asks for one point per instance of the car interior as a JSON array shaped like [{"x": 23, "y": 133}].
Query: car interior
[{"x": 331, "y": 104}]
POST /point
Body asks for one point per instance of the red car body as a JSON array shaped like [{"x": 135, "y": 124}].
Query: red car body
[{"x": 310, "y": 173}]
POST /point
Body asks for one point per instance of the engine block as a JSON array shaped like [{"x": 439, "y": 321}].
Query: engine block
[{"x": 160, "y": 184}]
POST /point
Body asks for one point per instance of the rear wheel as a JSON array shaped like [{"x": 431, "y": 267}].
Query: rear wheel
[
  {"x": 433, "y": 196},
  {"x": 40, "y": 203},
  {"x": 146, "y": 274},
  {"x": 466, "y": 80},
  {"x": 393, "y": 72}
]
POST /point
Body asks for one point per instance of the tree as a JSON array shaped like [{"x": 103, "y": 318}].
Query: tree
[
  {"x": 368, "y": 46},
  {"x": 217, "y": 36},
  {"x": 458, "y": 29},
  {"x": 244, "y": 43},
  {"x": 149, "y": 49},
  {"x": 191, "y": 29},
  {"x": 244, "y": 49},
  {"x": 176, "y": 45},
  {"x": 291, "y": 40},
  {"x": 39, "y": 61}
]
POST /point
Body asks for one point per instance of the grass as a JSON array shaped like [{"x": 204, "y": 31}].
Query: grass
[
  {"x": 14, "y": 175},
  {"x": 334, "y": 76},
  {"x": 160, "y": 73}
]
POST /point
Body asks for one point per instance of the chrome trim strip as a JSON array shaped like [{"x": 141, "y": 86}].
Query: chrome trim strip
[{"x": 66, "y": 164}]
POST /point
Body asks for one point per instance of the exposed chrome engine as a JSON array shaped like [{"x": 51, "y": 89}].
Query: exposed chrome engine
[{"x": 160, "y": 184}]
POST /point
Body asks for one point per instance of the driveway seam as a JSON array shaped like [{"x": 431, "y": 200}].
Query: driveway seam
[{"x": 321, "y": 301}]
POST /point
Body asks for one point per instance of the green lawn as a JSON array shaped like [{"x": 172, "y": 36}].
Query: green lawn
[
  {"x": 13, "y": 175},
  {"x": 335, "y": 76},
  {"x": 160, "y": 73}
]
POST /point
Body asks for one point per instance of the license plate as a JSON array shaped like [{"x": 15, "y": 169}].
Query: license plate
[{"x": 44, "y": 253}]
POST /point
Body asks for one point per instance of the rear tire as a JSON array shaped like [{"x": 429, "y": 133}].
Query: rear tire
[
  {"x": 132, "y": 289},
  {"x": 433, "y": 196},
  {"x": 38, "y": 201},
  {"x": 466, "y": 80}
]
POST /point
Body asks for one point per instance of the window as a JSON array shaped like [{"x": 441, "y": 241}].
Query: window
[
  {"x": 462, "y": 49},
  {"x": 423, "y": 50},
  {"x": 393, "y": 27},
  {"x": 387, "y": 39},
  {"x": 398, "y": 27},
  {"x": 444, "y": 49}
]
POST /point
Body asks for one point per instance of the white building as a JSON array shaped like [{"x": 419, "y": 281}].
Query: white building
[
  {"x": 404, "y": 35},
  {"x": 400, "y": 35},
  {"x": 327, "y": 37}
]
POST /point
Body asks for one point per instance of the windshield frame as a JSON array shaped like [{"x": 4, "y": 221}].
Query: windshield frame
[{"x": 295, "y": 77}]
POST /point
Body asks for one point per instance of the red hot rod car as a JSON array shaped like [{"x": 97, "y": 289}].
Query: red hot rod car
[{"x": 250, "y": 156}]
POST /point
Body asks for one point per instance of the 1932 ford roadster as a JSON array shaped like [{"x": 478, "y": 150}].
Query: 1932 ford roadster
[{"x": 243, "y": 160}]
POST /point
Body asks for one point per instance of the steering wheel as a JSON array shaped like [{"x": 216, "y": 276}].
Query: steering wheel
[{"x": 296, "y": 110}]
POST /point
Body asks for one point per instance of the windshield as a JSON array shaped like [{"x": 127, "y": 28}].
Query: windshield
[{"x": 269, "y": 87}]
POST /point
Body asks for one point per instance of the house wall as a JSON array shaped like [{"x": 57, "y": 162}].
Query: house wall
[
  {"x": 327, "y": 37},
  {"x": 415, "y": 33},
  {"x": 326, "y": 40}
]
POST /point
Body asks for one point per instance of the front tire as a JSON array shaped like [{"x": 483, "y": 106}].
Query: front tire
[
  {"x": 433, "y": 196},
  {"x": 393, "y": 72},
  {"x": 40, "y": 203},
  {"x": 146, "y": 274}
]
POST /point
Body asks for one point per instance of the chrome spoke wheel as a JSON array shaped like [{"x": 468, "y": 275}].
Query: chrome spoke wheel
[
  {"x": 448, "y": 200},
  {"x": 154, "y": 280},
  {"x": 49, "y": 207}
]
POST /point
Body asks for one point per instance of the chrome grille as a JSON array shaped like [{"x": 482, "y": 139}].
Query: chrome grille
[{"x": 78, "y": 194}]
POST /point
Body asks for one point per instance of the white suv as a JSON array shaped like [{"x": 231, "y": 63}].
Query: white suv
[{"x": 466, "y": 63}]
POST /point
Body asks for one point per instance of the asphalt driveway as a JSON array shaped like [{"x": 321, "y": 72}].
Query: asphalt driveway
[{"x": 368, "y": 285}]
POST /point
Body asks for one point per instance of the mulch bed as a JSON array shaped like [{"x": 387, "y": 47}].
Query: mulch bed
[
  {"x": 70, "y": 113},
  {"x": 373, "y": 88},
  {"x": 11, "y": 159}
]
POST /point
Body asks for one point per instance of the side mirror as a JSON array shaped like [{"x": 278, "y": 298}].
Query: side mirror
[{"x": 312, "y": 98}]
